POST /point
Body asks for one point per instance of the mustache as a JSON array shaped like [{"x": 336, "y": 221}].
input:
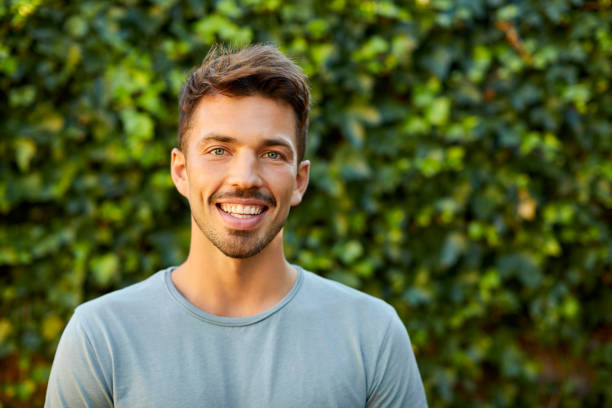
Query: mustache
[{"x": 254, "y": 194}]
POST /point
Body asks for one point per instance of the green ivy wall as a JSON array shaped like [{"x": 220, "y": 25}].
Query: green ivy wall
[{"x": 461, "y": 170}]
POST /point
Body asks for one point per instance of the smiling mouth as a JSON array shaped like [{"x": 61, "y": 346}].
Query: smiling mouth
[{"x": 242, "y": 211}]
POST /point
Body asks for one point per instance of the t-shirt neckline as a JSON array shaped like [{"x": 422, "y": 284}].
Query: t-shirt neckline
[{"x": 229, "y": 321}]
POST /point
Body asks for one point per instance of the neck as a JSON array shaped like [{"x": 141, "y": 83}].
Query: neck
[{"x": 233, "y": 287}]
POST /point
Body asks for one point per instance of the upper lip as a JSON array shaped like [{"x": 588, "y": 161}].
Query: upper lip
[{"x": 243, "y": 201}]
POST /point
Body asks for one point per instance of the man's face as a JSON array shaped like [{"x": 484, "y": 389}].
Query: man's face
[{"x": 239, "y": 171}]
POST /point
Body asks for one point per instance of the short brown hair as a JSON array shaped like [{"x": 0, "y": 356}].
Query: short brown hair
[{"x": 255, "y": 70}]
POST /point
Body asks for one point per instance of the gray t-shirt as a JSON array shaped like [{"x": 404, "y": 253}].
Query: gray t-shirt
[{"x": 323, "y": 345}]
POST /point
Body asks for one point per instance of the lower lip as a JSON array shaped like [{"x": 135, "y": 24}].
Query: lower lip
[{"x": 243, "y": 224}]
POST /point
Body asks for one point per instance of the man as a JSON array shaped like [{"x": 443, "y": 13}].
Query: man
[{"x": 236, "y": 325}]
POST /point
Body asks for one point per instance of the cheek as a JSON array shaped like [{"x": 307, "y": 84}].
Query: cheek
[
  {"x": 281, "y": 180},
  {"x": 202, "y": 180}
]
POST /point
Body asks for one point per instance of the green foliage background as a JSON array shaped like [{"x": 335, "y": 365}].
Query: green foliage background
[{"x": 461, "y": 169}]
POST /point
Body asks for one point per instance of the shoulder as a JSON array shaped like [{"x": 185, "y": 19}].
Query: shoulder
[
  {"x": 335, "y": 298},
  {"x": 129, "y": 302},
  {"x": 371, "y": 324},
  {"x": 330, "y": 290}
]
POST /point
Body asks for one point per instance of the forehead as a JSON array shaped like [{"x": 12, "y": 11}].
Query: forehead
[{"x": 245, "y": 118}]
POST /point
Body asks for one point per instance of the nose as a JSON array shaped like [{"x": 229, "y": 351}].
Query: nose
[{"x": 244, "y": 171}]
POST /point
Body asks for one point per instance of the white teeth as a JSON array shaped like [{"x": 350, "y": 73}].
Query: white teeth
[
  {"x": 241, "y": 211},
  {"x": 241, "y": 215}
]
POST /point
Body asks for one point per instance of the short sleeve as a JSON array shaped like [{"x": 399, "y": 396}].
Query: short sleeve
[
  {"x": 78, "y": 377},
  {"x": 397, "y": 381}
]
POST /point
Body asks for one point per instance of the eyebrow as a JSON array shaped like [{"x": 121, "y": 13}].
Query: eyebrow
[
  {"x": 277, "y": 142},
  {"x": 228, "y": 139},
  {"x": 217, "y": 138}
]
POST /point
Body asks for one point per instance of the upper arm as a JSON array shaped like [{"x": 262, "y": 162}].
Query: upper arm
[
  {"x": 397, "y": 381},
  {"x": 79, "y": 376}
]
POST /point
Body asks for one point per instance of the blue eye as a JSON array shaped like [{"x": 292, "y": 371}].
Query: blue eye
[{"x": 218, "y": 151}]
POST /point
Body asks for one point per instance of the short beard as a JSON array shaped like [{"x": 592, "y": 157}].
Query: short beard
[{"x": 240, "y": 244}]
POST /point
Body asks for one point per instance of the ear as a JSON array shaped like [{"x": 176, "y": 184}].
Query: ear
[
  {"x": 178, "y": 170},
  {"x": 301, "y": 182}
]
